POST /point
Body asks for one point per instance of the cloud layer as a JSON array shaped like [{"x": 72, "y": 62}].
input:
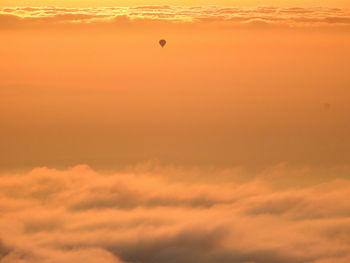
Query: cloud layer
[
  {"x": 232, "y": 15},
  {"x": 172, "y": 215}
]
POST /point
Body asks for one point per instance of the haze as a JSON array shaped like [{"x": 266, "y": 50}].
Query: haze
[{"x": 229, "y": 144}]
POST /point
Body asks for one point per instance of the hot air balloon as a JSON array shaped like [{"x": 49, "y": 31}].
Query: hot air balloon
[{"x": 162, "y": 42}]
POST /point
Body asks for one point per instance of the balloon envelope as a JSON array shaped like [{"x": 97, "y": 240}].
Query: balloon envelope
[{"x": 162, "y": 42}]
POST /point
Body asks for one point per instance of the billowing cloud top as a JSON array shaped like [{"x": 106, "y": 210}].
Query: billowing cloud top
[
  {"x": 169, "y": 214},
  {"x": 266, "y": 15}
]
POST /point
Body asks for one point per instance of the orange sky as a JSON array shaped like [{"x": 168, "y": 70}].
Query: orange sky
[
  {"x": 230, "y": 144},
  {"x": 246, "y": 3},
  {"x": 233, "y": 86}
]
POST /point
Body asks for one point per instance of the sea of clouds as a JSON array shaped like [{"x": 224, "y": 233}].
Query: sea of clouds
[{"x": 162, "y": 214}]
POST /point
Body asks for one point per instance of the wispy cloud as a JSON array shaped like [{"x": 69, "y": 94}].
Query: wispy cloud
[
  {"x": 235, "y": 15},
  {"x": 164, "y": 215}
]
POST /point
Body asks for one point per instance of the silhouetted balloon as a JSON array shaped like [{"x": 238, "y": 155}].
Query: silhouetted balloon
[
  {"x": 162, "y": 42},
  {"x": 326, "y": 106}
]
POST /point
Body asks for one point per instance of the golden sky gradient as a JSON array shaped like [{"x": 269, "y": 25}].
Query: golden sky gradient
[
  {"x": 233, "y": 86},
  {"x": 228, "y": 145},
  {"x": 241, "y": 3}
]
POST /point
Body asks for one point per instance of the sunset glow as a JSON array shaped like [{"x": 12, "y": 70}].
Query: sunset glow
[
  {"x": 174, "y": 131},
  {"x": 241, "y": 3}
]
